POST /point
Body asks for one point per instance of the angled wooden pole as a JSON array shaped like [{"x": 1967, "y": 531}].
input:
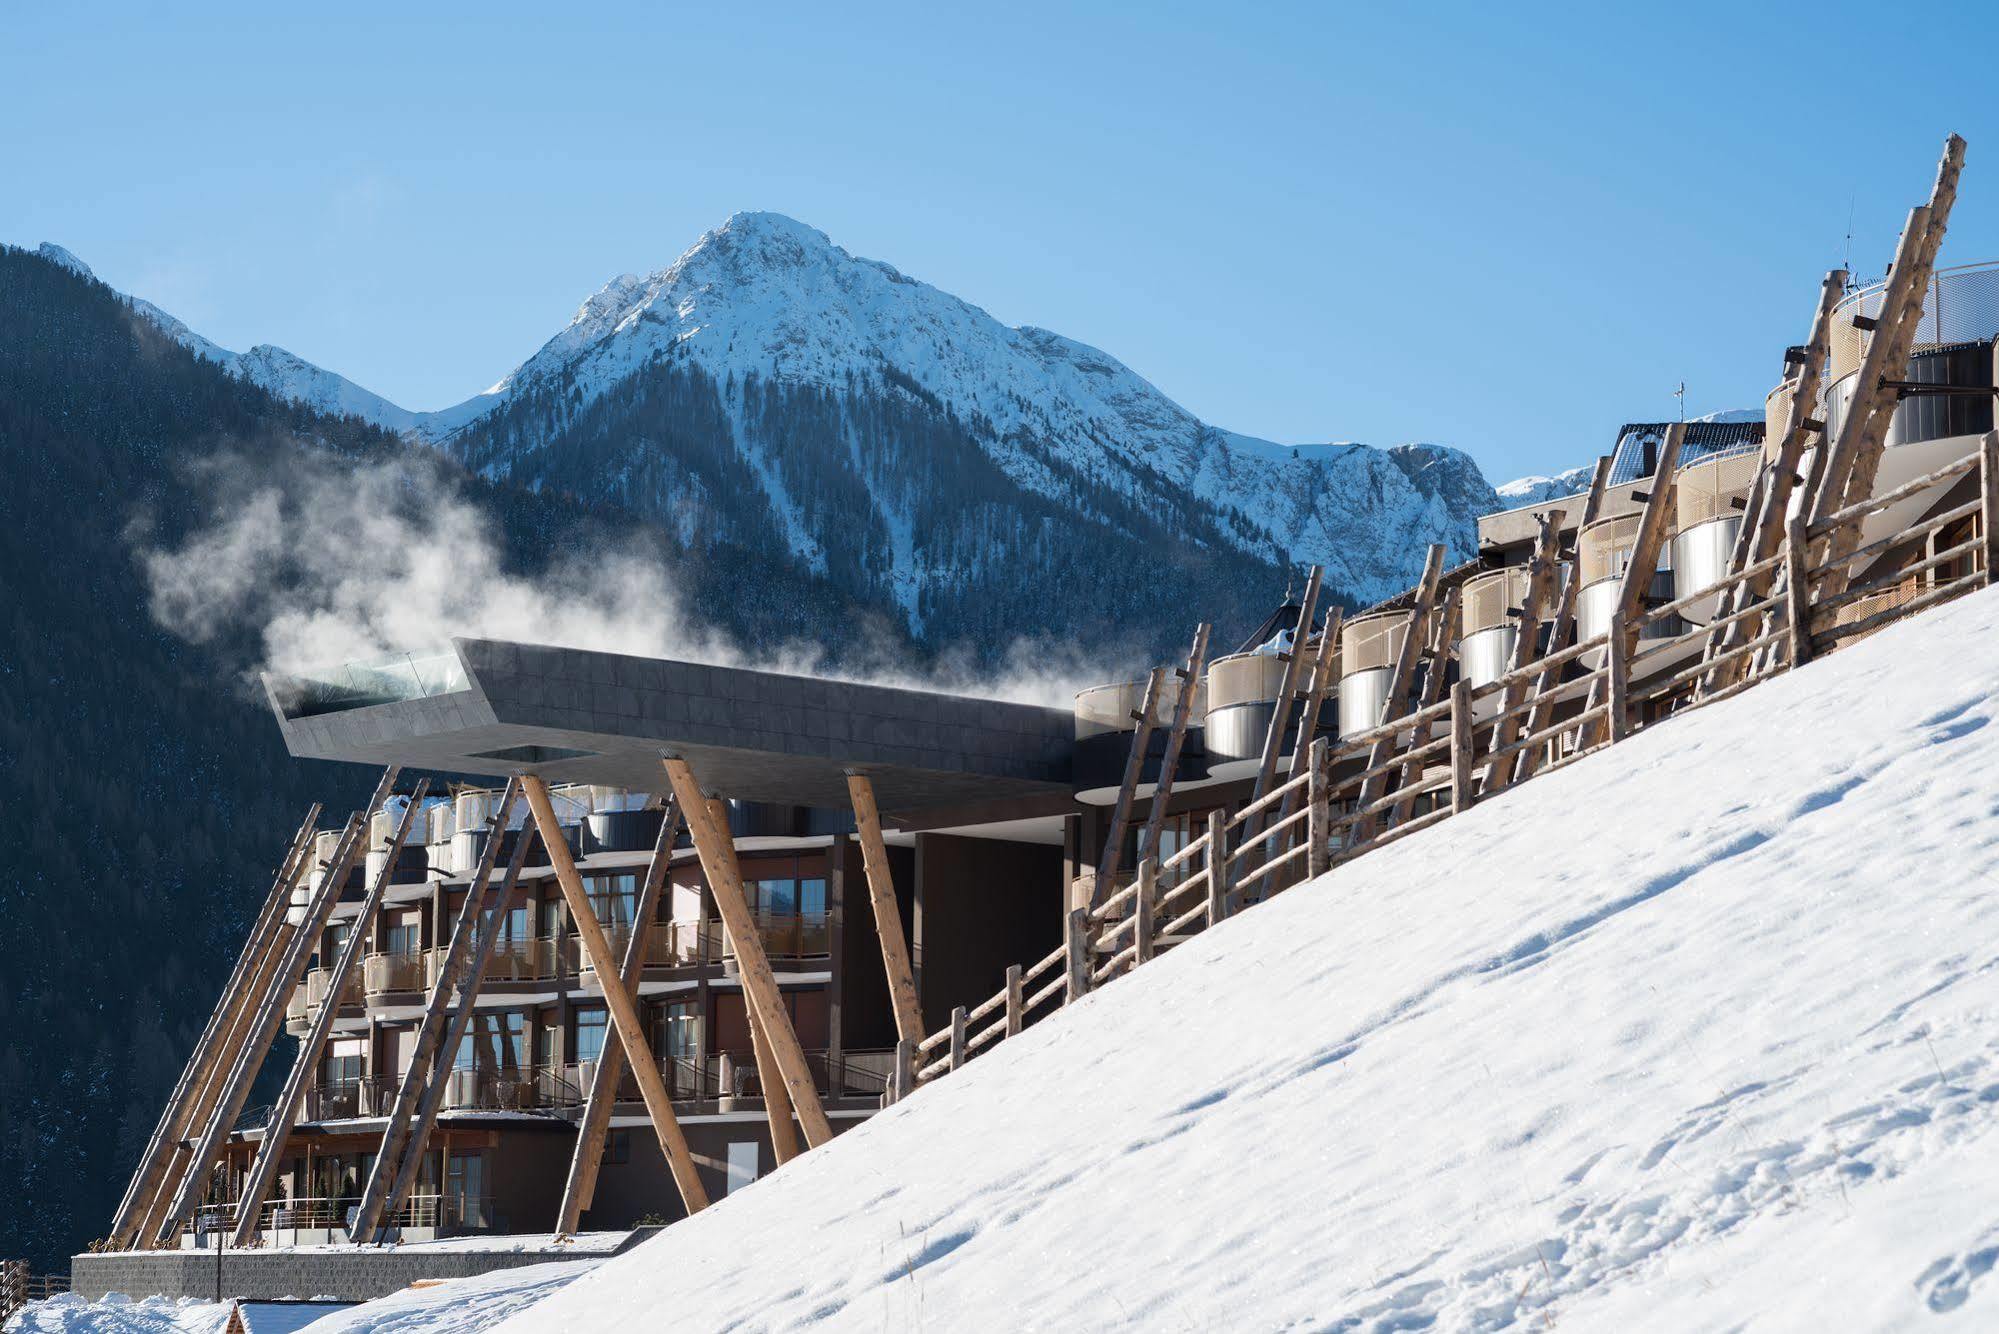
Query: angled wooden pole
[
  {"x": 1763, "y": 526},
  {"x": 1632, "y": 591},
  {"x": 1562, "y": 631},
  {"x": 431, "y": 1029},
  {"x": 1439, "y": 655},
  {"x": 1127, "y": 793},
  {"x": 437, "y": 1072},
  {"x": 1183, "y": 712},
  {"x": 1287, "y": 687},
  {"x": 1543, "y": 570},
  {"x": 887, "y": 914},
  {"x": 624, "y": 1010},
  {"x": 1856, "y": 455},
  {"x": 759, "y": 982},
  {"x": 305, "y": 1067},
  {"x": 249, "y": 1058},
  {"x": 776, "y": 1096},
  {"x": 208, "y": 1049},
  {"x": 1325, "y": 674},
  {"x": 1397, "y": 695},
  {"x": 580, "y": 1187}
]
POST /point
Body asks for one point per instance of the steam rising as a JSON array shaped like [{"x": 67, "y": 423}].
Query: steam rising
[{"x": 327, "y": 563}]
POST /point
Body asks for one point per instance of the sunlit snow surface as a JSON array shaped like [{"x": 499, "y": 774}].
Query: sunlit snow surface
[{"x": 1695, "y": 1034}]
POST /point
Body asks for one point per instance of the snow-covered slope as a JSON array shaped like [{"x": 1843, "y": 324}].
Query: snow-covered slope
[
  {"x": 1700, "y": 1033},
  {"x": 1522, "y": 491}
]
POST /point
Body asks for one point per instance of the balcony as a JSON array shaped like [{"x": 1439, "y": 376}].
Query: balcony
[
  {"x": 532, "y": 960},
  {"x": 320, "y": 980},
  {"x": 323, "y": 1219},
  {"x": 536, "y": 1088},
  {"x": 786, "y": 937},
  {"x": 387, "y": 974},
  {"x": 733, "y": 1074}
]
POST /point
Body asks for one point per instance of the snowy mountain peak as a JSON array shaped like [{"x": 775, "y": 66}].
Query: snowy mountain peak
[{"x": 55, "y": 254}]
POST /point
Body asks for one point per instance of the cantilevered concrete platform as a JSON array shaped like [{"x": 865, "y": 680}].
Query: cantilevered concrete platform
[{"x": 496, "y": 708}]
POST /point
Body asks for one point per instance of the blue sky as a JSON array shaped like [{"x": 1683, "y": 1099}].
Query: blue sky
[{"x": 1503, "y": 228}]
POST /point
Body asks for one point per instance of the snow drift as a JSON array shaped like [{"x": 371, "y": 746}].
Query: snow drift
[{"x": 1696, "y": 1033}]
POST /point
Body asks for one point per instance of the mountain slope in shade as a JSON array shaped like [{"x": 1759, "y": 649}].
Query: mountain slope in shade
[
  {"x": 765, "y": 305},
  {"x": 270, "y": 367},
  {"x": 1695, "y": 1034}
]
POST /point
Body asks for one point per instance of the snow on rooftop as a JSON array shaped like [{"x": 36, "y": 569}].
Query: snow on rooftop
[{"x": 1697, "y": 1032}]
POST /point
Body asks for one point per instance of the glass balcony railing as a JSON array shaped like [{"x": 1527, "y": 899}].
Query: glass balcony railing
[{"x": 358, "y": 685}]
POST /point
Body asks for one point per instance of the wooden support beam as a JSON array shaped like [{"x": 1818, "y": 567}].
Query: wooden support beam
[
  {"x": 430, "y": 1052},
  {"x": 1617, "y": 676},
  {"x": 270, "y": 1012},
  {"x": 580, "y": 1187},
  {"x": 1016, "y": 1001},
  {"x": 1397, "y": 696},
  {"x": 1562, "y": 631},
  {"x": 1544, "y": 571},
  {"x": 1325, "y": 675},
  {"x": 1461, "y": 747},
  {"x": 1287, "y": 687},
  {"x": 1633, "y": 590},
  {"x": 265, "y": 934},
  {"x": 624, "y": 1010},
  {"x": 1183, "y": 713},
  {"x": 1145, "y": 912},
  {"x": 1654, "y": 527},
  {"x": 1217, "y": 859},
  {"x": 1322, "y": 673},
  {"x": 1319, "y": 808},
  {"x": 955, "y": 1054},
  {"x": 1437, "y": 658},
  {"x": 1798, "y": 590},
  {"x": 1127, "y": 793},
  {"x": 1076, "y": 963},
  {"x": 887, "y": 913},
  {"x": 459, "y": 1018},
  {"x": 770, "y": 1079},
  {"x": 1856, "y": 456},
  {"x": 759, "y": 982},
  {"x": 1762, "y": 531},
  {"x": 305, "y": 1066}
]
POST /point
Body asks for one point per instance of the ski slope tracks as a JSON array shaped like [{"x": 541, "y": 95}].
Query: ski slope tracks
[{"x": 1697, "y": 1033}]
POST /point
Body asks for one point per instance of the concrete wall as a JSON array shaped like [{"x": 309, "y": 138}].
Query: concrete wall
[{"x": 344, "y": 1275}]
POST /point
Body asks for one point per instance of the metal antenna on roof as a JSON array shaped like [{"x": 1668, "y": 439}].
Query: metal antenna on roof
[
  {"x": 1681, "y": 394},
  {"x": 1846, "y": 260}
]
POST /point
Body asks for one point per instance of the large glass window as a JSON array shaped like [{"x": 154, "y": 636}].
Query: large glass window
[
  {"x": 589, "y": 1025},
  {"x": 613, "y": 898},
  {"x": 496, "y": 1040},
  {"x": 403, "y": 936}
]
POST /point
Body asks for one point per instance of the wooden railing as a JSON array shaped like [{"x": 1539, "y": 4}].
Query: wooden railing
[
  {"x": 1443, "y": 757},
  {"x": 18, "y": 1287}
]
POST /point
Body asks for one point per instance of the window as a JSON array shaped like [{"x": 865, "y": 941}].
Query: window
[
  {"x": 497, "y": 1040},
  {"x": 678, "y": 1034},
  {"x": 742, "y": 1164},
  {"x": 589, "y": 1043},
  {"x": 613, "y": 898},
  {"x": 518, "y": 924},
  {"x": 403, "y": 936}
]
